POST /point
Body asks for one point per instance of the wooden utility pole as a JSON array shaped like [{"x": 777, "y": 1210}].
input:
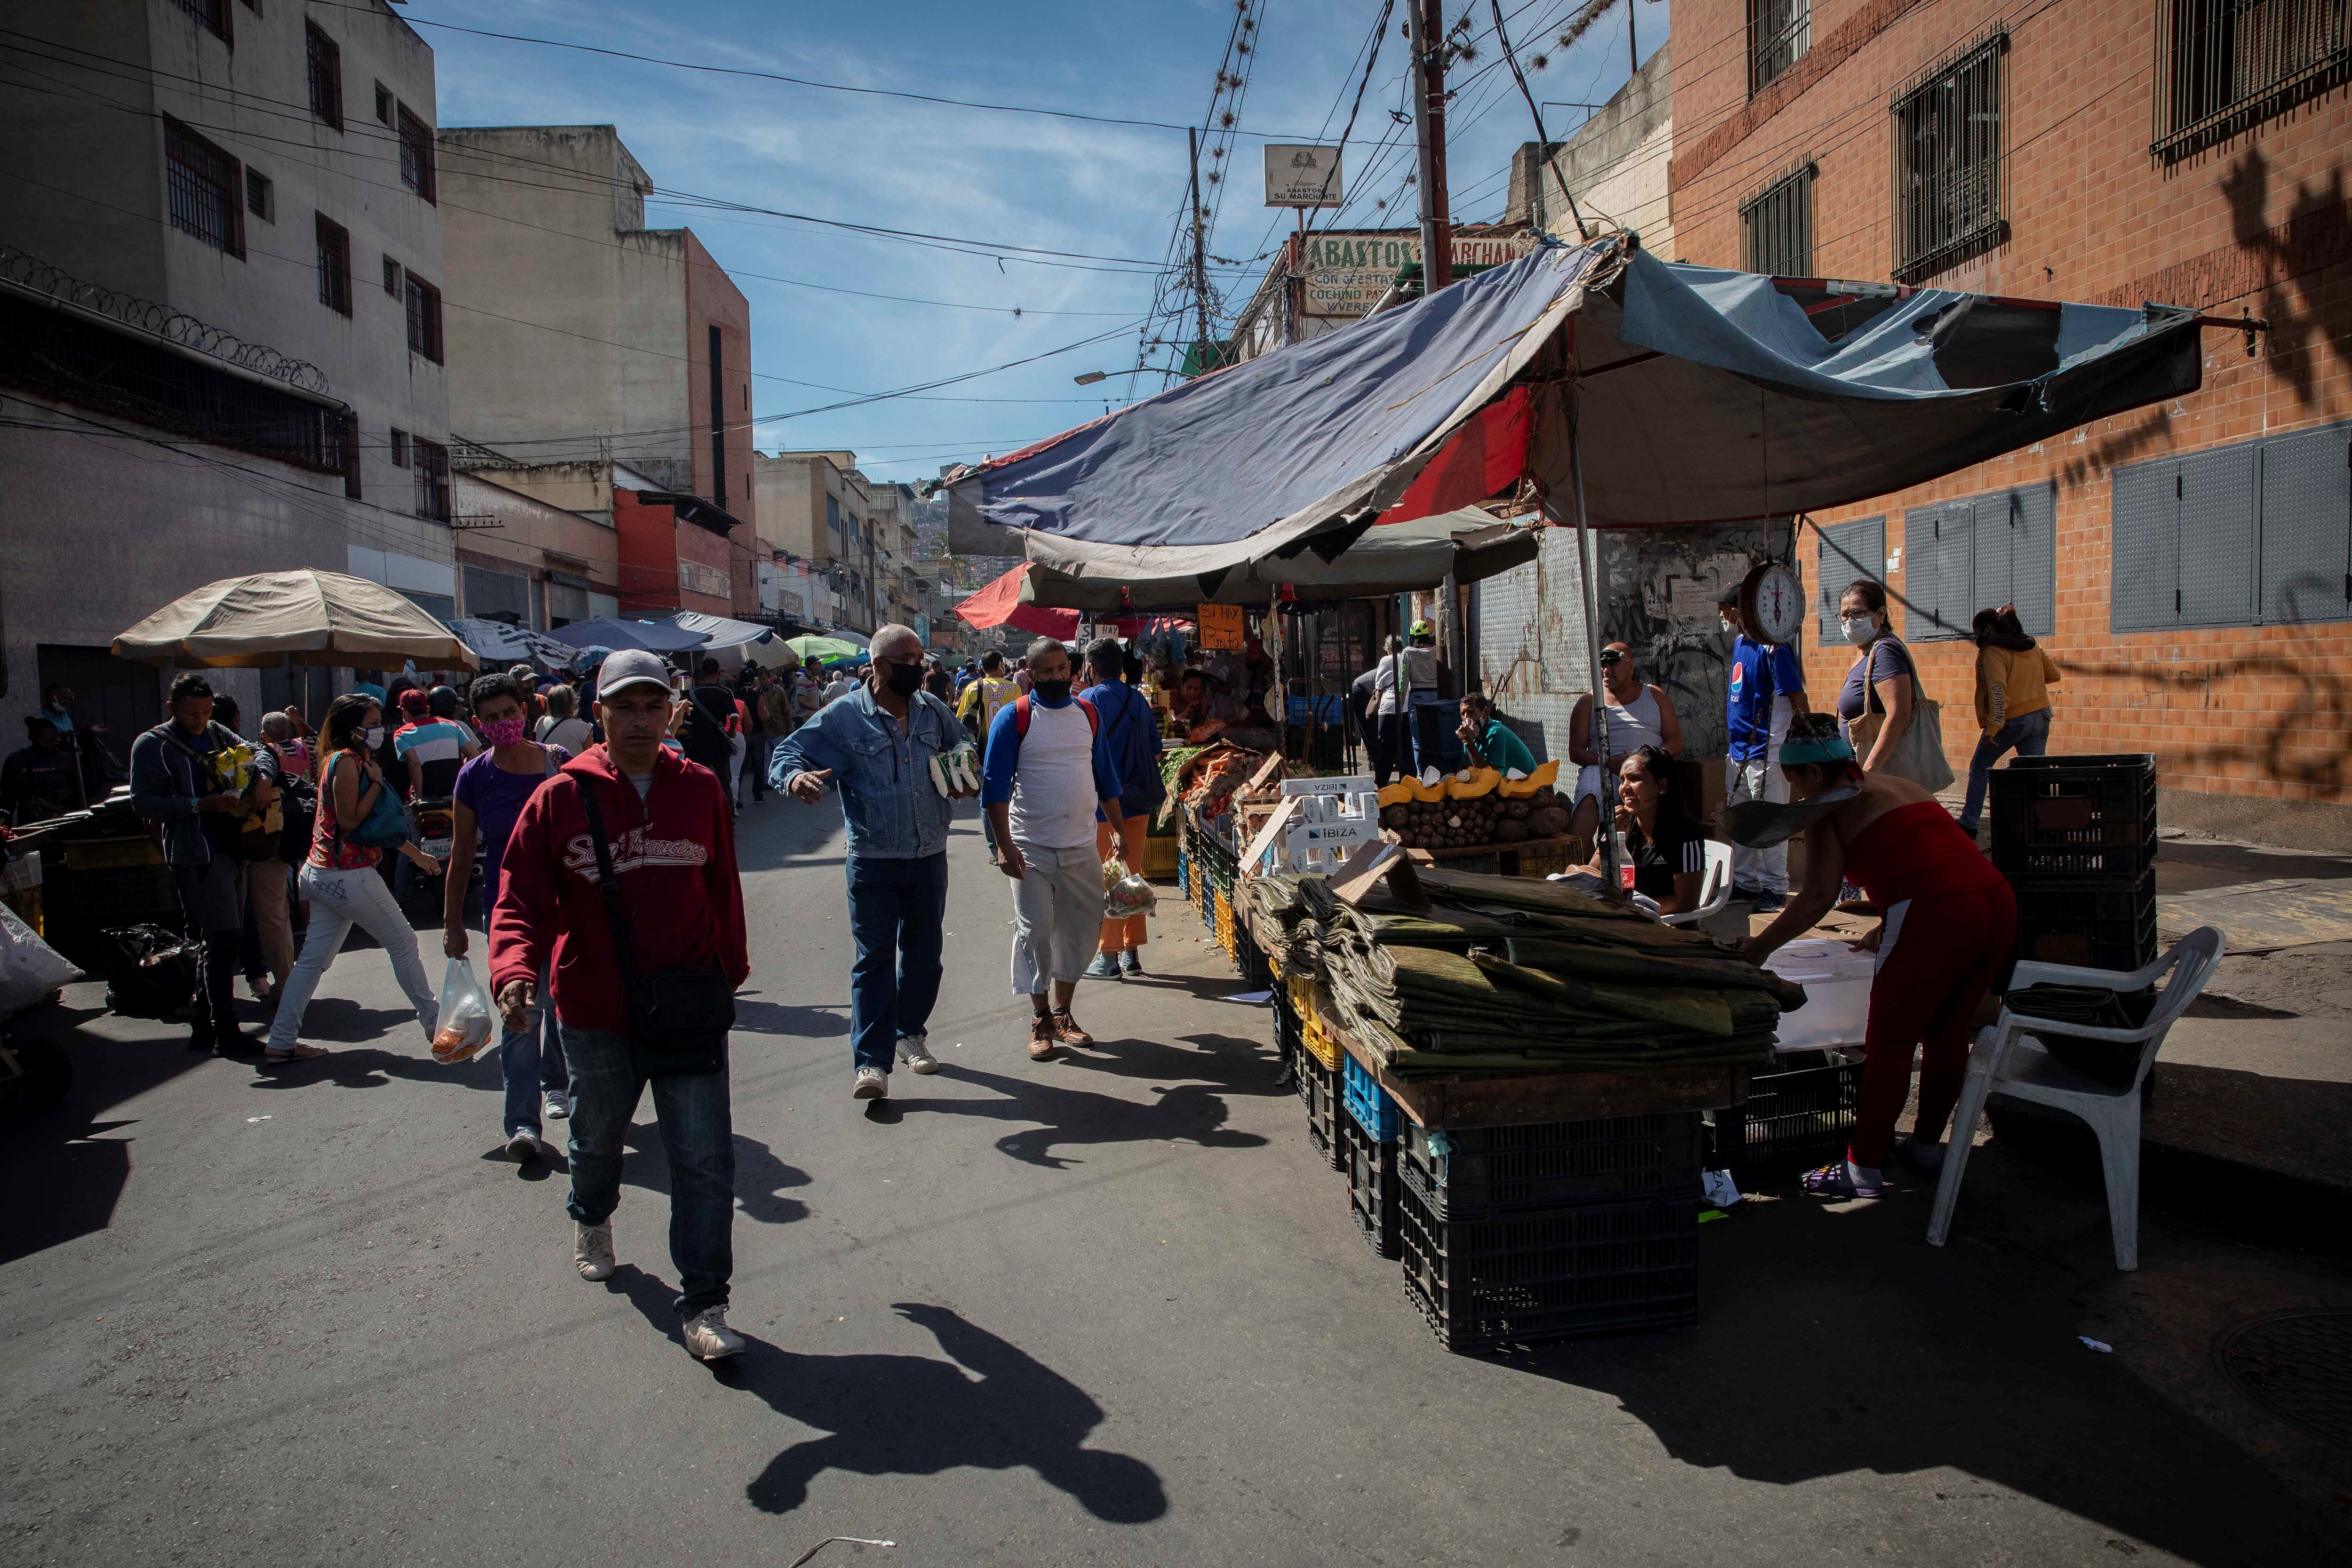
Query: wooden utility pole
[
  {"x": 1427, "y": 24},
  {"x": 1200, "y": 257}
]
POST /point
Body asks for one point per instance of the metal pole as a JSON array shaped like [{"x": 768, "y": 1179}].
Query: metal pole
[
  {"x": 1200, "y": 261},
  {"x": 1605, "y": 830},
  {"x": 1425, "y": 19}
]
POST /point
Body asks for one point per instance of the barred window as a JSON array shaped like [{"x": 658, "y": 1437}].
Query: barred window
[
  {"x": 423, "y": 317},
  {"x": 1779, "y": 34},
  {"x": 2225, "y": 65},
  {"x": 261, "y": 196},
  {"x": 1776, "y": 226},
  {"x": 398, "y": 448},
  {"x": 203, "y": 188},
  {"x": 334, "y": 265},
  {"x": 431, "y": 466},
  {"x": 325, "y": 65},
  {"x": 1948, "y": 163},
  {"x": 416, "y": 156},
  {"x": 212, "y": 14},
  {"x": 392, "y": 277},
  {"x": 383, "y": 103}
]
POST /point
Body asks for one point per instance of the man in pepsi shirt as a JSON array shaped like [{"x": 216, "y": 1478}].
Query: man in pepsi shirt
[{"x": 1767, "y": 688}]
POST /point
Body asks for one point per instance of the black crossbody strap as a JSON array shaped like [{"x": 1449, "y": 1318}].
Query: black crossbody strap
[{"x": 608, "y": 884}]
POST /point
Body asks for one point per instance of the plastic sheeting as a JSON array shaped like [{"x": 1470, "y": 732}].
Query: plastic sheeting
[
  {"x": 723, "y": 631},
  {"x": 1701, "y": 395}
]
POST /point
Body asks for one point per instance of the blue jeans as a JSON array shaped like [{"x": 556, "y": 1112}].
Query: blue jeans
[
  {"x": 2028, "y": 736},
  {"x": 530, "y": 1059},
  {"x": 697, "y": 1131},
  {"x": 897, "y": 908}
]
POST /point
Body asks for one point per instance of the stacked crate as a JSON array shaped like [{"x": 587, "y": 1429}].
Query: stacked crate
[
  {"x": 1550, "y": 1229},
  {"x": 1368, "y": 1134},
  {"x": 2076, "y": 838}
]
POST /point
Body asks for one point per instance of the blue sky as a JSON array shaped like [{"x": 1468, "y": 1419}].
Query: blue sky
[{"x": 1063, "y": 186}]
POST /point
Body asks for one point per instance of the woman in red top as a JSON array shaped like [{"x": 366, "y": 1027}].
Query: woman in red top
[{"x": 1947, "y": 922}]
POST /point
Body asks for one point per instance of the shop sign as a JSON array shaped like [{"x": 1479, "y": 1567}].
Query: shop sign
[
  {"x": 1302, "y": 176},
  {"x": 1221, "y": 626},
  {"x": 1346, "y": 274}
]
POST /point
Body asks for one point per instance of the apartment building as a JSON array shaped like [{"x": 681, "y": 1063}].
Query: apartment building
[
  {"x": 2189, "y": 565},
  {"x": 817, "y": 509},
  {"x": 222, "y": 342},
  {"x": 593, "y": 344}
]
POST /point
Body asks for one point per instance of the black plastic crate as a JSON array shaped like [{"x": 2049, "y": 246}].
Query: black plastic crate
[
  {"x": 1796, "y": 1118},
  {"x": 1318, "y": 1086},
  {"x": 1371, "y": 1187},
  {"x": 1250, "y": 959},
  {"x": 1545, "y": 1274},
  {"x": 1493, "y": 1170},
  {"x": 2074, "y": 816},
  {"x": 2105, "y": 922}
]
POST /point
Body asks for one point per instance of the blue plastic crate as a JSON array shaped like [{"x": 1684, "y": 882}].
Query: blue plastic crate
[
  {"x": 1183, "y": 874},
  {"x": 1374, "y": 1111}
]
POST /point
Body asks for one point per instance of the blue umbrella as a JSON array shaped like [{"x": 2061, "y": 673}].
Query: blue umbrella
[{"x": 653, "y": 636}]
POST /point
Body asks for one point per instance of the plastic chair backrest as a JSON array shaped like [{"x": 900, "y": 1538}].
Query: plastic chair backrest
[
  {"x": 2193, "y": 960},
  {"x": 1715, "y": 890}
]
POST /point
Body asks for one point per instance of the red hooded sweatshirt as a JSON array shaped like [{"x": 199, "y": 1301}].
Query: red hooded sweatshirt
[{"x": 674, "y": 853}]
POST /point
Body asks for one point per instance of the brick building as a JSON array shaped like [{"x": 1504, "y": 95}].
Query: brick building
[{"x": 2187, "y": 563}]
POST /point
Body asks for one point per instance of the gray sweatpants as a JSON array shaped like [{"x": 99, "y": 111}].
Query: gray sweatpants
[{"x": 1057, "y": 910}]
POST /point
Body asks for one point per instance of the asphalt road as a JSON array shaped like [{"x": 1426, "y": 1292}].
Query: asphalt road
[{"x": 1103, "y": 1309}]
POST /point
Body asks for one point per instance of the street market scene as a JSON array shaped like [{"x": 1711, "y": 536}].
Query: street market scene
[{"x": 1641, "y": 853}]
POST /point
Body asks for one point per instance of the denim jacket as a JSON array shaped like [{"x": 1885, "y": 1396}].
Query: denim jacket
[{"x": 884, "y": 775}]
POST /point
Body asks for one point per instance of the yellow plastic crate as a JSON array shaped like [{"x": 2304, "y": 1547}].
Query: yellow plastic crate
[{"x": 1160, "y": 860}]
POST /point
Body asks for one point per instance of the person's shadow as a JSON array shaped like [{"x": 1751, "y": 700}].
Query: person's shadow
[
  {"x": 1190, "y": 1112},
  {"x": 760, "y": 1177},
  {"x": 991, "y": 1405}
]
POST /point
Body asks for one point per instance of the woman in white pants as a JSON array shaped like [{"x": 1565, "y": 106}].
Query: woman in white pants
[{"x": 340, "y": 881}]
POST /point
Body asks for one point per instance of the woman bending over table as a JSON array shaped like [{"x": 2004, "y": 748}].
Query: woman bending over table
[{"x": 1948, "y": 921}]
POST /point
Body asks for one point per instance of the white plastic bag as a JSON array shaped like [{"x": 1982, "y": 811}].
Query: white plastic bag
[
  {"x": 1125, "y": 893},
  {"x": 465, "y": 1026},
  {"x": 30, "y": 968}
]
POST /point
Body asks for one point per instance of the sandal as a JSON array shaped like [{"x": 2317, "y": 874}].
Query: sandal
[
  {"x": 299, "y": 1054},
  {"x": 1066, "y": 1030},
  {"x": 1836, "y": 1181}
]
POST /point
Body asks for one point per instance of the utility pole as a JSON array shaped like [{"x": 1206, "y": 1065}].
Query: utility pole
[
  {"x": 1200, "y": 254},
  {"x": 1425, "y": 27},
  {"x": 1633, "y": 44}
]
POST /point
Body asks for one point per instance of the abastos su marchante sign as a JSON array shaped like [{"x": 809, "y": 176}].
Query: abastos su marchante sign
[{"x": 1347, "y": 273}]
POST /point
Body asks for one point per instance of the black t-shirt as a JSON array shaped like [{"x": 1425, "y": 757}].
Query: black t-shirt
[
  {"x": 1680, "y": 845},
  {"x": 705, "y": 741}
]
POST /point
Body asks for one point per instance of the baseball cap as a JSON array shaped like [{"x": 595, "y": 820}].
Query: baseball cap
[{"x": 630, "y": 667}]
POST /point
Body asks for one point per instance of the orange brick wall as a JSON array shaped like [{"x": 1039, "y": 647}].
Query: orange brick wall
[{"x": 2262, "y": 223}]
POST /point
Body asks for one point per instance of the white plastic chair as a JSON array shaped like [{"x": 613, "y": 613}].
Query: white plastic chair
[
  {"x": 2008, "y": 1057},
  {"x": 1714, "y": 890}
]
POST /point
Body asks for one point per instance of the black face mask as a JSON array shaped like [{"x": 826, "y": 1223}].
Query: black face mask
[
  {"x": 1053, "y": 693},
  {"x": 905, "y": 680}
]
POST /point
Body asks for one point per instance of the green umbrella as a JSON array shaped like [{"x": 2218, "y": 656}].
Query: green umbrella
[{"x": 812, "y": 647}]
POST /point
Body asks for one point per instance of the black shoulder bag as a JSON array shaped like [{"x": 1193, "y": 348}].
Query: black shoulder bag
[{"x": 678, "y": 1017}]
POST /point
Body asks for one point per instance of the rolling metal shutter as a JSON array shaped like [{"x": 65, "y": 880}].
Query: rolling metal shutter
[
  {"x": 2144, "y": 576},
  {"x": 1940, "y": 570},
  {"x": 2217, "y": 537},
  {"x": 1849, "y": 549},
  {"x": 2307, "y": 526}
]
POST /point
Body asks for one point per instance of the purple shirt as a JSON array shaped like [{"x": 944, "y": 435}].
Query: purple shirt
[{"x": 496, "y": 798}]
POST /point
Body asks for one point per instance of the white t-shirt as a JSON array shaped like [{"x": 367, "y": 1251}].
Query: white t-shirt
[{"x": 1053, "y": 794}]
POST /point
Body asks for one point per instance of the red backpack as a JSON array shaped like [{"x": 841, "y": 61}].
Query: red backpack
[{"x": 1021, "y": 715}]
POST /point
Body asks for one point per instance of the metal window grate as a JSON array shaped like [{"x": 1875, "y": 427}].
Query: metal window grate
[
  {"x": 324, "y": 66},
  {"x": 1776, "y": 226},
  {"x": 213, "y": 14},
  {"x": 423, "y": 317},
  {"x": 1949, "y": 161},
  {"x": 75, "y": 359},
  {"x": 334, "y": 265},
  {"x": 430, "y": 461},
  {"x": 416, "y": 156},
  {"x": 393, "y": 277},
  {"x": 2224, "y": 66},
  {"x": 261, "y": 196},
  {"x": 1779, "y": 34},
  {"x": 204, "y": 189}
]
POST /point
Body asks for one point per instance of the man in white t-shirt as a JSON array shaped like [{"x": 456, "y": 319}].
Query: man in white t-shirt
[{"x": 1046, "y": 776}]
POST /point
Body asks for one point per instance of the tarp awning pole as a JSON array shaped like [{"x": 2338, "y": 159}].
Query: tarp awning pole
[{"x": 1604, "y": 796}]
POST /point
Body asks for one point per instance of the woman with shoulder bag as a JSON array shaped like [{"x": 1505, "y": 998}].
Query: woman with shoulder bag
[
  {"x": 1892, "y": 724},
  {"x": 358, "y": 818}
]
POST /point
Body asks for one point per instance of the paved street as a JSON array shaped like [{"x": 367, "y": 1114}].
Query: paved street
[{"x": 1103, "y": 1309}]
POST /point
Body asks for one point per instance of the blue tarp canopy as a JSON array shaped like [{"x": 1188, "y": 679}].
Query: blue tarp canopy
[
  {"x": 1701, "y": 395},
  {"x": 653, "y": 636}
]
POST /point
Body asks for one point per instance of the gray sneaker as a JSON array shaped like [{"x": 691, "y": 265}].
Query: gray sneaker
[
  {"x": 591, "y": 1250},
  {"x": 522, "y": 1143},
  {"x": 873, "y": 1083},
  {"x": 555, "y": 1106},
  {"x": 707, "y": 1337},
  {"x": 915, "y": 1050},
  {"x": 1132, "y": 960},
  {"x": 1104, "y": 967}
]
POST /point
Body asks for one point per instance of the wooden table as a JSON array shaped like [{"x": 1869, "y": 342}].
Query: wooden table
[{"x": 1507, "y": 856}]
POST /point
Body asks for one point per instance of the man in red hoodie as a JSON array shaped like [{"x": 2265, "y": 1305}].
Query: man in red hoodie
[{"x": 671, "y": 832}]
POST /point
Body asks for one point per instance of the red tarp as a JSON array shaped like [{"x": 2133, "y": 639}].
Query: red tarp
[
  {"x": 999, "y": 604},
  {"x": 1484, "y": 457}
]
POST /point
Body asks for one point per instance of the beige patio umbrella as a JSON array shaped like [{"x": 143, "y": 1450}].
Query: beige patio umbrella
[{"x": 310, "y": 617}]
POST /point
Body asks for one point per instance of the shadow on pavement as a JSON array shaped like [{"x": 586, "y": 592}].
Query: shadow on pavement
[
  {"x": 761, "y": 1178},
  {"x": 1834, "y": 1341},
  {"x": 758, "y": 1017},
  {"x": 1190, "y": 1112},
  {"x": 991, "y": 1406}
]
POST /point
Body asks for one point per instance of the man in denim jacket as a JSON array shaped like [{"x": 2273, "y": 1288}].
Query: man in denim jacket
[{"x": 876, "y": 742}]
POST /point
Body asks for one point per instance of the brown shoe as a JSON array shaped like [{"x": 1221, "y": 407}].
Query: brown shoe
[
  {"x": 1066, "y": 1030},
  {"x": 1041, "y": 1037}
]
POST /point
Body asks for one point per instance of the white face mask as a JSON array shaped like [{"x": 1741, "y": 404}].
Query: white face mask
[
  {"x": 373, "y": 735},
  {"x": 1860, "y": 631}
]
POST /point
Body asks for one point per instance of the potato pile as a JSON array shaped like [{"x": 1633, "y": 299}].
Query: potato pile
[{"x": 1490, "y": 818}]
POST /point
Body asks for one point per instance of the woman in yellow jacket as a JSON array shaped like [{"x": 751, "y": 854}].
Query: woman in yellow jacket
[{"x": 2013, "y": 682}]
